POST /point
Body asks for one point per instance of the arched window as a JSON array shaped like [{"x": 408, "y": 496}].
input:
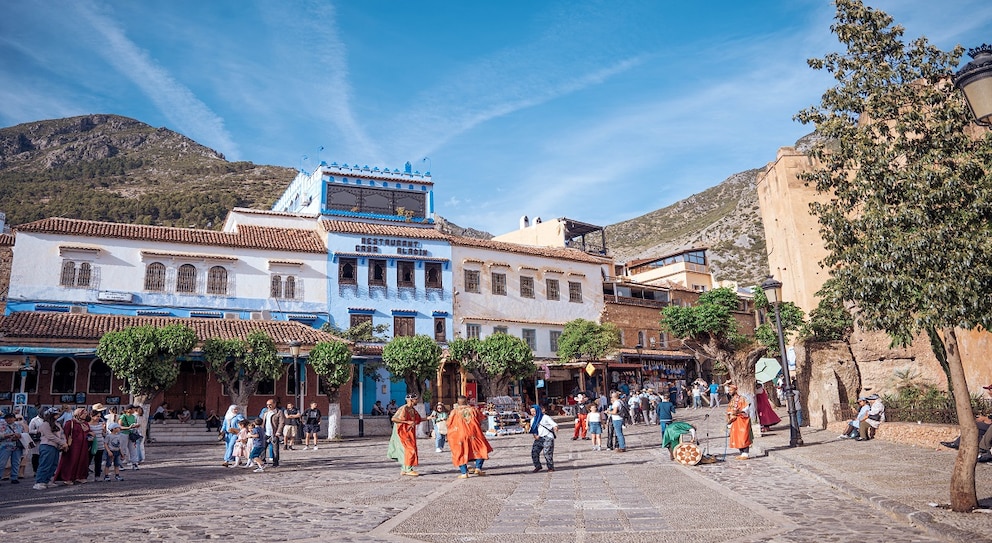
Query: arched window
[
  {"x": 155, "y": 277},
  {"x": 275, "y": 287},
  {"x": 85, "y": 272},
  {"x": 217, "y": 280},
  {"x": 100, "y": 376},
  {"x": 289, "y": 291},
  {"x": 64, "y": 376},
  {"x": 68, "y": 277},
  {"x": 186, "y": 278}
]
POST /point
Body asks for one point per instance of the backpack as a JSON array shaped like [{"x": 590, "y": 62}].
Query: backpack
[{"x": 624, "y": 411}]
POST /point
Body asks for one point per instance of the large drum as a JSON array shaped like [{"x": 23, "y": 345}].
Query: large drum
[{"x": 687, "y": 454}]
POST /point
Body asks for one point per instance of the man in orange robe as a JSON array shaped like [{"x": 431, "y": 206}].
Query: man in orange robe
[
  {"x": 466, "y": 438},
  {"x": 740, "y": 422},
  {"x": 403, "y": 443}
]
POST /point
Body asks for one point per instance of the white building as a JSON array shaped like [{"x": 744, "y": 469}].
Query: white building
[{"x": 529, "y": 292}]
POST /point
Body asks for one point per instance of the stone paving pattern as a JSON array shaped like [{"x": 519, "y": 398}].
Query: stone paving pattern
[{"x": 349, "y": 491}]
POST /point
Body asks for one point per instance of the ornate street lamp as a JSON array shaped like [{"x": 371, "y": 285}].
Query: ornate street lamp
[
  {"x": 294, "y": 349},
  {"x": 773, "y": 291},
  {"x": 975, "y": 80}
]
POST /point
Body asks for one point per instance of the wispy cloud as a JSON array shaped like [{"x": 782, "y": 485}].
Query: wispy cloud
[
  {"x": 173, "y": 99},
  {"x": 510, "y": 80},
  {"x": 321, "y": 79}
]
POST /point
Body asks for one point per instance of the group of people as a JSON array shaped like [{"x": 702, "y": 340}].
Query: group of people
[
  {"x": 258, "y": 441},
  {"x": 871, "y": 415},
  {"x": 66, "y": 445},
  {"x": 461, "y": 428}
]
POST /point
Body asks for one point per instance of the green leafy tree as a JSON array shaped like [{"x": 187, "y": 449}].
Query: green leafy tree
[
  {"x": 830, "y": 320},
  {"x": 908, "y": 223},
  {"x": 241, "y": 364},
  {"x": 413, "y": 360},
  {"x": 582, "y": 338},
  {"x": 331, "y": 361},
  {"x": 709, "y": 328},
  {"x": 146, "y": 357},
  {"x": 363, "y": 332},
  {"x": 495, "y": 362}
]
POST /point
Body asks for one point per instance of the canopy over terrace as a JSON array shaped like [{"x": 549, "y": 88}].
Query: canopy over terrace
[{"x": 61, "y": 350}]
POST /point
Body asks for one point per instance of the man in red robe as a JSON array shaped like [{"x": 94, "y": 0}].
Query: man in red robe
[
  {"x": 466, "y": 438},
  {"x": 403, "y": 443},
  {"x": 739, "y": 422}
]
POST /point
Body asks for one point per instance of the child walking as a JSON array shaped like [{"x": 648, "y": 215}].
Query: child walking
[
  {"x": 114, "y": 446},
  {"x": 257, "y": 432},
  {"x": 594, "y": 422},
  {"x": 241, "y": 446}
]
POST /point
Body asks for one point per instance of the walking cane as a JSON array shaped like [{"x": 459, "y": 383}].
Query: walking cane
[{"x": 726, "y": 443}]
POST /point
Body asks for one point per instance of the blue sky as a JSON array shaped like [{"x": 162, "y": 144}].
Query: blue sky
[{"x": 598, "y": 111}]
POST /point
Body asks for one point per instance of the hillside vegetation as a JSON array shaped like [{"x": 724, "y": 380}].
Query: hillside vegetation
[
  {"x": 112, "y": 168},
  {"x": 724, "y": 218}
]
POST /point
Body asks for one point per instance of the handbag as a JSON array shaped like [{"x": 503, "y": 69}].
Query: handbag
[
  {"x": 93, "y": 448},
  {"x": 441, "y": 426},
  {"x": 875, "y": 417},
  {"x": 135, "y": 436}
]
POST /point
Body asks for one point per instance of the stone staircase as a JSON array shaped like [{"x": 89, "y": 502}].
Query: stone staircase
[{"x": 173, "y": 431}]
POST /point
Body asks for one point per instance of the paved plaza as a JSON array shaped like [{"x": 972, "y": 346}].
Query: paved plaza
[{"x": 349, "y": 491}]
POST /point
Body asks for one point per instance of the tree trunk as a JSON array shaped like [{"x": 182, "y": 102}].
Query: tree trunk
[
  {"x": 334, "y": 420},
  {"x": 333, "y": 411},
  {"x": 963, "y": 495}
]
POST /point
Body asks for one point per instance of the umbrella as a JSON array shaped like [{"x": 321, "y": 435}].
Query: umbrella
[{"x": 766, "y": 369}]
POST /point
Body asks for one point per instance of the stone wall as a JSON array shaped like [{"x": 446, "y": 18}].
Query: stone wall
[
  {"x": 908, "y": 433},
  {"x": 827, "y": 376}
]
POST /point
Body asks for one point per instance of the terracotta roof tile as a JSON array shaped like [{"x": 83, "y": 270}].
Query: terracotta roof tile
[
  {"x": 6, "y": 240},
  {"x": 371, "y": 229},
  {"x": 66, "y": 326},
  {"x": 247, "y": 236},
  {"x": 550, "y": 252}
]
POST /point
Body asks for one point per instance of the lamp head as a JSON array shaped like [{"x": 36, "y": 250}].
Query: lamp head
[
  {"x": 772, "y": 290},
  {"x": 975, "y": 81}
]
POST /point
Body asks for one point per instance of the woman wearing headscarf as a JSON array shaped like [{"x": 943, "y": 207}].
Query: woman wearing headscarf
[
  {"x": 544, "y": 429},
  {"x": 403, "y": 443},
  {"x": 74, "y": 464},
  {"x": 230, "y": 430},
  {"x": 51, "y": 444},
  {"x": 767, "y": 416},
  {"x": 739, "y": 422}
]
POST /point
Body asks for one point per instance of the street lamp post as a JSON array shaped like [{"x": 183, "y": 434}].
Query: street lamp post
[
  {"x": 773, "y": 291},
  {"x": 294, "y": 349},
  {"x": 975, "y": 81}
]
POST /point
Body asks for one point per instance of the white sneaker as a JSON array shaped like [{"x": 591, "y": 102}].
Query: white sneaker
[
  {"x": 315, "y": 447},
  {"x": 259, "y": 469},
  {"x": 40, "y": 486},
  {"x": 438, "y": 450},
  {"x": 306, "y": 448}
]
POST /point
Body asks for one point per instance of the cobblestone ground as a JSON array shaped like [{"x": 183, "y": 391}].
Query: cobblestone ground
[{"x": 348, "y": 491}]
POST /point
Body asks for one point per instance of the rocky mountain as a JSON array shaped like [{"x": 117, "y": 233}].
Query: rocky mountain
[
  {"x": 112, "y": 168},
  {"x": 108, "y": 167},
  {"x": 724, "y": 218}
]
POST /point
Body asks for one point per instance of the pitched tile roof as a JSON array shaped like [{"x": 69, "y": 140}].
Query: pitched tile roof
[
  {"x": 18, "y": 327},
  {"x": 563, "y": 253},
  {"x": 247, "y": 236},
  {"x": 372, "y": 229},
  {"x": 6, "y": 240}
]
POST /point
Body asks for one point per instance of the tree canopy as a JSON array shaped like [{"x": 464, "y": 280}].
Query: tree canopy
[
  {"x": 145, "y": 356},
  {"x": 495, "y": 361},
  {"x": 710, "y": 327},
  {"x": 413, "y": 359},
  {"x": 581, "y": 337},
  {"x": 331, "y": 361},
  {"x": 240, "y": 364},
  {"x": 909, "y": 219}
]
